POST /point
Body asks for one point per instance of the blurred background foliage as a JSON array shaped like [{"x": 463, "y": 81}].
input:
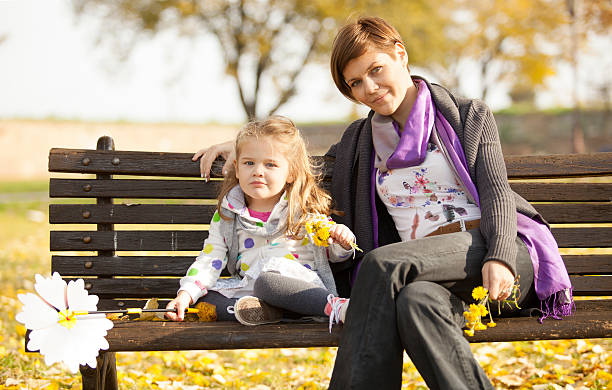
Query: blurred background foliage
[{"x": 266, "y": 43}]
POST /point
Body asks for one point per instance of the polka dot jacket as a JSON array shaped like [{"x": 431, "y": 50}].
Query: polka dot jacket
[{"x": 261, "y": 246}]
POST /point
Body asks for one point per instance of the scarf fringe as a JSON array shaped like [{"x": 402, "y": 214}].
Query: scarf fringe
[{"x": 558, "y": 305}]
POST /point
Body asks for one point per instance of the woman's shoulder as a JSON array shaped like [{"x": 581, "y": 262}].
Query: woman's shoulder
[{"x": 350, "y": 135}]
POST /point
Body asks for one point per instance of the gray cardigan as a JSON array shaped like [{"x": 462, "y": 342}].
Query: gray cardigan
[{"x": 477, "y": 131}]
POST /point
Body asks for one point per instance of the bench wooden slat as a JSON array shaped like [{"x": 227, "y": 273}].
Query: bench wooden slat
[
  {"x": 162, "y": 336},
  {"x": 559, "y": 165},
  {"x": 583, "y": 237},
  {"x": 563, "y": 192},
  {"x": 198, "y": 189},
  {"x": 192, "y": 240},
  {"x": 131, "y": 214},
  {"x": 180, "y": 164},
  {"x": 167, "y": 287},
  {"x": 592, "y": 285},
  {"x": 122, "y": 162},
  {"x": 177, "y": 265},
  {"x": 588, "y": 264},
  {"x": 575, "y": 212},
  {"x": 122, "y": 265},
  {"x": 201, "y": 214},
  {"x": 134, "y": 188},
  {"x": 128, "y": 240}
]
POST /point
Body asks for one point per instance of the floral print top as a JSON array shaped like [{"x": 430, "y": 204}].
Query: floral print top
[{"x": 422, "y": 198}]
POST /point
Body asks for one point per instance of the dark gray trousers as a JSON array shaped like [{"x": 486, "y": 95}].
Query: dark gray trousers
[
  {"x": 287, "y": 293},
  {"x": 411, "y": 296}
]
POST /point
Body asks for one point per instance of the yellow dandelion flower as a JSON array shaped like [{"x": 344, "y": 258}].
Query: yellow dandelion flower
[
  {"x": 318, "y": 228},
  {"x": 480, "y": 326},
  {"x": 482, "y": 309},
  {"x": 469, "y": 332},
  {"x": 479, "y": 293},
  {"x": 491, "y": 324}
]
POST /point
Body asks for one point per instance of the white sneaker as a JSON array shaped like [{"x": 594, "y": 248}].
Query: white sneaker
[
  {"x": 338, "y": 307},
  {"x": 253, "y": 311}
]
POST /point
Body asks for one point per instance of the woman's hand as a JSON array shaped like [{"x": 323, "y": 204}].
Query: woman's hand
[
  {"x": 342, "y": 235},
  {"x": 208, "y": 155},
  {"x": 179, "y": 304},
  {"x": 498, "y": 279}
]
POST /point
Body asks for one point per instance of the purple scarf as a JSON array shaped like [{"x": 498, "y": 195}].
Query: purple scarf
[{"x": 551, "y": 281}]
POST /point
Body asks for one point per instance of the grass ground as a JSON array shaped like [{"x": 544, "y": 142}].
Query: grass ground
[{"x": 24, "y": 243}]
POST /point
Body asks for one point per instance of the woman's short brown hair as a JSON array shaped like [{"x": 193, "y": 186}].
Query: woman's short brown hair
[{"x": 354, "y": 39}]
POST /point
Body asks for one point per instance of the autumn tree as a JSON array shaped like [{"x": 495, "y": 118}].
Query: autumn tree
[
  {"x": 266, "y": 43},
  {"x": 510, "y": 41}
]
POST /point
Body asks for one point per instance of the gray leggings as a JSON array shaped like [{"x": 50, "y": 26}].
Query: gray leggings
[{"x": 284, "y": 292}]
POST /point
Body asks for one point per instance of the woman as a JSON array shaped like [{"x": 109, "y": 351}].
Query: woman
[{"x": 430, "y": 205}]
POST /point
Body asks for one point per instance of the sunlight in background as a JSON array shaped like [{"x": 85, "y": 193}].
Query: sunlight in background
[{"x": 50, "y": 67}]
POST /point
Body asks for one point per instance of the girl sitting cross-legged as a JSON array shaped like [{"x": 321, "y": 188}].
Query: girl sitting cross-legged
[{"x": 258, "y": 233}]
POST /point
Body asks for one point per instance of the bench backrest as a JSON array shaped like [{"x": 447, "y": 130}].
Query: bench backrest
[{"x": 136, "y": 220}]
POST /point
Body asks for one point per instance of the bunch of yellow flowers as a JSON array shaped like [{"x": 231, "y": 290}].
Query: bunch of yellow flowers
[
  {"x": 481, "y": 308},
  {"x": 318, "y": 227},
  {"x": 473, "y": 317}
]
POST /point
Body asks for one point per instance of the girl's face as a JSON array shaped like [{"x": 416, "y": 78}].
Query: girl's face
[
  {"x": 262, "y": 171},
  {"x": 380, "y": 80}
]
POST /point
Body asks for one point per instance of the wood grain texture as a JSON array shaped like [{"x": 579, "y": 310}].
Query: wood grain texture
[
  {"x": 201, "y": 214},
  {"x": 127, "y": 281},
  {"x": 133, "y": 163},
  {"x": 559, "y": 165},
  {"x": 590, "y": 320},
  {"x": 131, "y": 213},
  {"x": 176, "y": 266},
  {"x": 563, "y": 192},
  {"x": 192, "y": 240},
  {"x": 134, "y": 188},
  {"x": 166, "y": 287}
]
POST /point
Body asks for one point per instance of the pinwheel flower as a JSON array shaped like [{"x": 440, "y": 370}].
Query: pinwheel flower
[{"x": 60, "y": 329}]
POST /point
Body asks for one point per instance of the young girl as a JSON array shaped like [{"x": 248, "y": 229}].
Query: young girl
[{"x": 257, "y": 232}]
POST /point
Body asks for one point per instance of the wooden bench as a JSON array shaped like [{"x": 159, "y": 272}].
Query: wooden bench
[{"x": 120, "y": 265}]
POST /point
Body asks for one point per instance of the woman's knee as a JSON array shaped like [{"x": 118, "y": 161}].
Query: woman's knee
[
  {"x": 421, "y": 297},
  {"x": 427, "y": 299}
]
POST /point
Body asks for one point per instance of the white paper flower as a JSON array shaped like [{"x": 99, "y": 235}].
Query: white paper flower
[{"x": 57, "y": 332}]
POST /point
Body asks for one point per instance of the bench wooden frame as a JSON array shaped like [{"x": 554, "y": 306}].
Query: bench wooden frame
[{"x": 127, "y": 280}]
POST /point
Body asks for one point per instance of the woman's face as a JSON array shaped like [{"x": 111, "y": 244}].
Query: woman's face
[{"x": 380, "y": 79}]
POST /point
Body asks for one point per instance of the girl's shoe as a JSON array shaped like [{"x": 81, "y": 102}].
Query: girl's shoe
[
  {"x": 336, "y": 310},
  {"x": 253, "y": 311}
]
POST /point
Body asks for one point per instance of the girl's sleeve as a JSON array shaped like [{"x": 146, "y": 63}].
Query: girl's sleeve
[
  {"x": 336, "y": 253},
  {"x": 206, "y": 268}
]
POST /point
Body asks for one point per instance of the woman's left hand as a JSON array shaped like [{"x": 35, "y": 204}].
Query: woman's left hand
[{"x": 498, "y": 279}]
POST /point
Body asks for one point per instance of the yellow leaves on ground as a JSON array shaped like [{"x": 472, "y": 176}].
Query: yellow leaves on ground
[{"x": 566, "y": 364}]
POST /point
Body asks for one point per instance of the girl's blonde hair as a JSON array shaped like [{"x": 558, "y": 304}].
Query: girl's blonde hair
[{"x": 303, "y": 194}]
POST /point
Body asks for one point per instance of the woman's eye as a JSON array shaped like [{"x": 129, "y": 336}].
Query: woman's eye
[
  {"x": 355, "y": 84},
  {"x": 376, "y": 69},
  {"x": 270, "y": 165},
  {"x": 248, "y": 163}
]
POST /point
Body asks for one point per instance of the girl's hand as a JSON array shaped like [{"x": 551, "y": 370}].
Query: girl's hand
[
  {"x": 342, "y": 235},
  {"x": 208, "y": 155},
  {"x": 179, "y": 304},
  {"x": 498, "y": 279}
]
